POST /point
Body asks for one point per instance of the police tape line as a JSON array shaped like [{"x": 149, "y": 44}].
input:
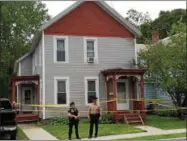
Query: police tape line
[
  {"x": 154, "y": 101},
  {"x": 64, "y": 111}
]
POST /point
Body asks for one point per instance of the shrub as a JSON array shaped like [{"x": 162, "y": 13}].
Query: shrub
[
  {"x": 55, "y": 121},
  {"x": 107, "y": 118}
]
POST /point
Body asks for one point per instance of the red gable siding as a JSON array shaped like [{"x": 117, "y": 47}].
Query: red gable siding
[{"x": 89, "y": 20}]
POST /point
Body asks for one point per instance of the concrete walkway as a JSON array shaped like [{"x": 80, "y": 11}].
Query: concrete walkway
[
  {"x": 150, "y": 131},
  {"x": 34, "y": 132}
]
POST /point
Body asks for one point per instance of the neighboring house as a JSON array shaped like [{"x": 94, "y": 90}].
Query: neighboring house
[
  {"x": 84, "y": 51},
  {"x": 151, "y": 90}
]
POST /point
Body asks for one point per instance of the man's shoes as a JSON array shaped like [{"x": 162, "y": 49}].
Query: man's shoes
[
  {"x": 78, "y": 138},
  {"x": 89, "y": 137},
  {"x": 95, "y": 136},
  {"x": 69, "y": 138}
]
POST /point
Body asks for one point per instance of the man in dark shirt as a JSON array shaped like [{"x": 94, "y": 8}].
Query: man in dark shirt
[{"x": 73, "y": 115}]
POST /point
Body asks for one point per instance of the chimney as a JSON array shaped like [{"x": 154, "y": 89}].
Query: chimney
[{"x": 155, "y": 37}]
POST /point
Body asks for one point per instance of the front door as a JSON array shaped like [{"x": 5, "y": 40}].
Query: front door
[
  {"x": 27, "y": 99},
  {"x": 122, "y": 95}
]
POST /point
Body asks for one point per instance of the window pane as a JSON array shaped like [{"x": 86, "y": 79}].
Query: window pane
[
  {"x": 90, "y": 95},
  {"x": 90, "y": 45},
  {"x": 60, "y": 45},
  {"x": 60, "y": 50},
  {"x": 61, "y": 98},
  {"x": 91, "y": 86},
  {"x": 61, "y": 86},
  {"x": 90, "y": 54},
  {"x": 60, "y": 55}
]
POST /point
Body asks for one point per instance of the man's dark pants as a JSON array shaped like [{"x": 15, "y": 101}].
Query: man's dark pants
[
  {"x": 74, "y": 123},
  {"x": 94, "y": 120}
]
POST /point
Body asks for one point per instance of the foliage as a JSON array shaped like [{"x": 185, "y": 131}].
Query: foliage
[
  {"x": 163, "y": 24},
  {"x": 55, "y": 121},
  {"x": 18, "y": 23},
  {"x": 137, "y": 18},
  {"x": 166, "y": 64},
  {"x": 107, "y": 118}
]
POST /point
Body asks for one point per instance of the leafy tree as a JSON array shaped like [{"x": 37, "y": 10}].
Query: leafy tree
[
  {"x": 18, "y": 23},
  {"x": 137, "y": 18},
  {"x": 166, "y": 64},
  {"x": 163, "y": 24}
]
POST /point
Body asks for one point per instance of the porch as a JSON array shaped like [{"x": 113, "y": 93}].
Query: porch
[
  {"x": 25, "y": 93},
  {"x": 125, "y": 93}
]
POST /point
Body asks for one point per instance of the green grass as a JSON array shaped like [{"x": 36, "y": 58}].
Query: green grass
[
  {"x": 21, "y": 135},
  {"x": 61, "y": 131},
  {"x": 157, "y": 137},
  {"x": 165, "y": 122}
]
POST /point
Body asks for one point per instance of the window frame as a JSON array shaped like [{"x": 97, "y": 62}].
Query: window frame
[
  {"x": 96, "y": 78},
  {"x": 66, "y": 79},
  {"x": 66, "y": 43},
  {"x": 96, "y": 61}
]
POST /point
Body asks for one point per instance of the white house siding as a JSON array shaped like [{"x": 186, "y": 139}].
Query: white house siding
[
  {"x": 112, "y": 52},
  {"x": 26, "y": 66}
]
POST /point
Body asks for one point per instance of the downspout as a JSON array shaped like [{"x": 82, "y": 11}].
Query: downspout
[{"x": 43, "y": 75}]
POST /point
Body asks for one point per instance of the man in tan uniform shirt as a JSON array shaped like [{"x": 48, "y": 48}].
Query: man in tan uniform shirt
[{"x": 94, "y": 115}]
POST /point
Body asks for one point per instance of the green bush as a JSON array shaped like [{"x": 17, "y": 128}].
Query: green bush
[
  {"x": 166, "y": 112},
  {"x": 107, "y": 118},
  {"x": 55, "y": 121}
]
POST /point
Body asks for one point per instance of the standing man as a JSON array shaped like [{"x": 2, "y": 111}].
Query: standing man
[
  {"x": 94, "y": 115},
  {"x": 73, "y": 115}
]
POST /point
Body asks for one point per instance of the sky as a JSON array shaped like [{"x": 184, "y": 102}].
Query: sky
[{"x": 153, "y": 7}]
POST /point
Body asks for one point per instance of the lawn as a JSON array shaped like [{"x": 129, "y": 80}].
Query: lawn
[
  {"x": 21, "y": 135},
  {"x": 61, "y": 131},
  {"x": 165, "y": 122},
  {"x": 157, "y": 137}
]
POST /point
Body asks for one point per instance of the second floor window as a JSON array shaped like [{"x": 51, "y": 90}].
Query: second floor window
[
  {"x": 60, "y": 50},
  {"x": 90, "y": 50}
]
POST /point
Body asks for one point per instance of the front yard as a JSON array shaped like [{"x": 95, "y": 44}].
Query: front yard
[
  {"x": 21, "y": 135},
  {"x": 166, "y": 123},
  {"x": 61, "y": 131}
]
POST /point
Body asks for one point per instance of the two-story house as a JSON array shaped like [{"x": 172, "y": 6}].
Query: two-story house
[{"x": 84, "y": 51}]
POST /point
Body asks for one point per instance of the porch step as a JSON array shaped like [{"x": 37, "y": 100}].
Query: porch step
[
  {"x": 131, "y": 118},
  {"x": 26, "y": 118}
]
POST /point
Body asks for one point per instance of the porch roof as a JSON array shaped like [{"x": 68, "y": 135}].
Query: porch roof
[
  {"x": 126, "y": 70},
  {"x": 25, "y": 78}
]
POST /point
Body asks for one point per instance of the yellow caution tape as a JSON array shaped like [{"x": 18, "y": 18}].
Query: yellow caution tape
[{"x": 154, "y": 101}]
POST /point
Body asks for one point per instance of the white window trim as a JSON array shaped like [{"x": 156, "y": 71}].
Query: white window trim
[
  {"x": 67, "y": 89},
  {"x": 96, "y": 61},
  {"x": 96, "y": 78},
  {"x": 66, "y": 49},
  {"x": 19, "y": 70}
]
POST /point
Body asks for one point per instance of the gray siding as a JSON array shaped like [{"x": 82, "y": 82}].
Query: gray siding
[
  {"x": 26, "y": 66},
  {"x": 112, "y": 52}
]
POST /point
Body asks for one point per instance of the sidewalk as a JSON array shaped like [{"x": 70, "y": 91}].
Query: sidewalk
[
  {"x": 150, "y": 131},
  {"x": 36, "y": 133}
]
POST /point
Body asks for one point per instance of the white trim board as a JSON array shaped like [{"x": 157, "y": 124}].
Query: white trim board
[{"x": 43, "y": 75}]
